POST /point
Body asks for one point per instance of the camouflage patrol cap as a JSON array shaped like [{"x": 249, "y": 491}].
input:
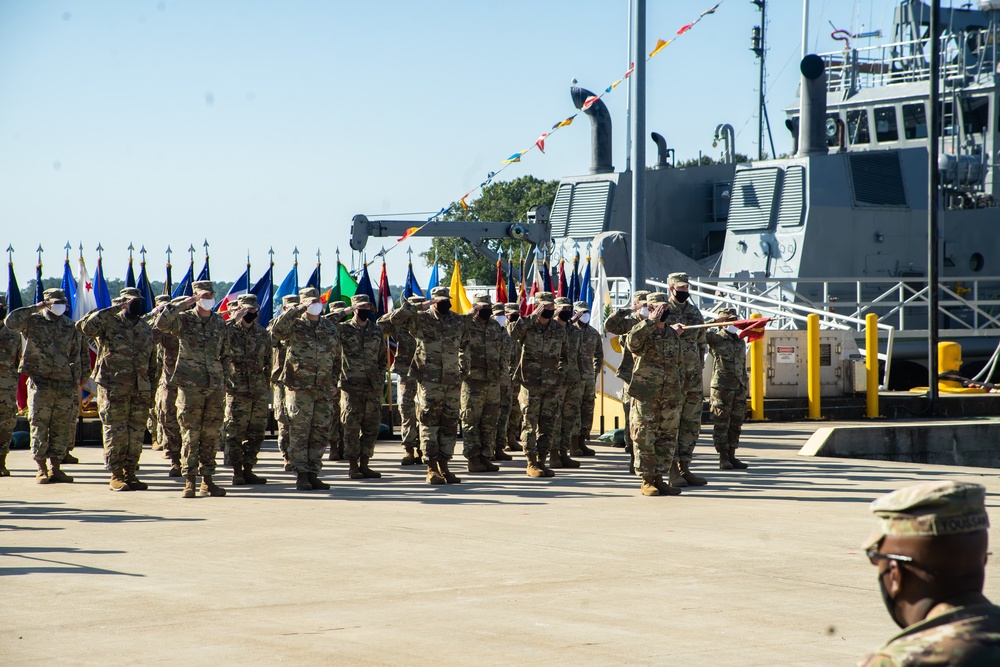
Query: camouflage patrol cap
[
  {"x": 657, "y": 298},
  {"x": 162, "y": 298},
  {"x": 130, "y": 293},
  {"x": 563, "y": 302},
  {"x": 415, "y": 300},
  {"x": 726, "y": 314},
  {"x": 308, "y": 293},
  {"x": 581, "y": 307},
  {"x": 545, "y": 298},
  {"x": 440, "y": 293},
  {"x": 678, "y": 280},
  {"x": 930, "y": 509},
  {"x": 511, "y": 308},
  {"x": 361, "y": 300},
  {"x": 119, "y": 300},
  {"x": 290, "y": 300},
  {"x": 247, "y": 301},
  {"x": 202, "y": 286},
  {"x": 640, "y": 296},
  {"x": 336, "y": 305},
  {"x": 53, "y": 294},
  {"x": 482, "y": 300},
  {"x": 499, "y": 308}
]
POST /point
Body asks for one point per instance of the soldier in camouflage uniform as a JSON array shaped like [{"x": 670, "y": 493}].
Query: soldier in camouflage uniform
[
  {"x": 10, "y": 356},
  {"x": 512, "y": 312},
  {"x": 729, "y": 389},
  {"x": 168, "y": 429},
  {"x": 931, "y": 552},
  {"x": 337, "y": 312},
  {"x": 570, "y": 391},
  {"x": 693, "y": 351},
  {"x": 479, "y": 359},
  {"x": 619, "y": 324},
  {"x": 310, "y": 374},
  {"x": 277, "y": 388},
  {"x": 438, "y": 332},
  {"x": 199, "y": 375},
  {"x": 406, "y": 345},
  {"x": 591, "y": 366},
  {"x": 507, "y": 350},
  {"x": 125, "y": 374},
  {"x": 248, "y": 354},
  {"x": 57, "y": 363},
  {"x": 655, "y": 390},
  {"x": 541, "y": 368},
  {"x": 362, "y": 381},
  {"x": 153, "y": 422}
]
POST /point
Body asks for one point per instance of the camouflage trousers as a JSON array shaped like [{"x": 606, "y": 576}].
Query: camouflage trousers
[
  {"x": 199, "y": 414},
  {"x": 310, "y": 416},
  {"x": 8, "y": 417},
  {"x": 408, "y": 428},
  {"x": 243, "y": 428},
  {"x": 569, "y": 424},
  {"x": 168, "y": 429},
  {"x": 654, "y": 433},
  {"x": 627, "y": 409},
  {"x": 280, "y": 416},
  {"x": 540, "y": 413},
  {"x": 480, "y": 412},
  {"x": 503, "y": 417},
  {"x": 515, "y": 418},
  {"x": 360, "y": 417},
  {"x": 729, "y": 409},
  {"x": 123, "y": 417},
  {"x": 690, "y": 424},
  {"x": 52, "y": 414},
  {"x": 437, "y": 413},
  {"x": 588, "y": 397},
  {"x": 337, "y": 436}
]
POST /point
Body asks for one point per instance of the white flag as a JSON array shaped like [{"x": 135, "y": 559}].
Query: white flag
[
  {"x": 602, "y": 299},
  {"x": 85, "y": 301}
]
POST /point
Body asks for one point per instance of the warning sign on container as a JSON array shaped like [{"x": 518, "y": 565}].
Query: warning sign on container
[{"x": 785, "y": 355}]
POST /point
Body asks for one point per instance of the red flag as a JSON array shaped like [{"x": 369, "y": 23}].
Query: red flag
[
  {"x": 501, "y": 284},
  {"x": 685, "y": 28},
  {"x": 384, "y": 307},
  {"x": 522, "y": 296},
  {"x": 540, "y": 141},
  {"x": 589, "y": 102},
  {"x": 409, "y": 232},
  {"x": 751, "y": 330},
  {"x": 22, "y": 392},
  {"x": 562, "y": 290}
]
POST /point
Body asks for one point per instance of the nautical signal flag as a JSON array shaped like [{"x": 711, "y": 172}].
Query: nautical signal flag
[
  {"x": 408, "y": 233},
  {"x": 660, "y": 45}
]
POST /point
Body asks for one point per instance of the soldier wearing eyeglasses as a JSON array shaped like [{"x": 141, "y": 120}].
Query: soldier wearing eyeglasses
[{"x": 931, "y": 551}]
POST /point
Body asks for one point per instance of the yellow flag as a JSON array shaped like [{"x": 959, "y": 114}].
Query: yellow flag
[
  {"x": 660, "y": 45},
  {"x": 459, "y": 300}
]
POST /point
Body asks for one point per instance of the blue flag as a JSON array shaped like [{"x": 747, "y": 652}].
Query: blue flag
[
  {"x": 314, "y": 278},
  {"x": 511, "y": 285},
  {"x": 365, "y": 284},
  {"x": 205, "y": 274},
  {"x": 129, "y": 275},
  {"x": 586, "y": 292},
  {"x": 13, "y": 291},
  {"x": 546, "y": 276},
  {"x": 184, "y": 286},
  {"x": 435, "y": 280},
  {"x": 145, "y": 289},
  {"x": 411, "y": 287},
  {"x": 101, "y": 295},
  {"x": 69, "y": 286},
  {"x": 574, "y": 280},
  {"x": 264, "y": 291},
  {"x": 290, "y": 285}
]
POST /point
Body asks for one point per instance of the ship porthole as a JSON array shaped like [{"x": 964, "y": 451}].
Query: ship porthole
[{"x": 976, "y": 262}]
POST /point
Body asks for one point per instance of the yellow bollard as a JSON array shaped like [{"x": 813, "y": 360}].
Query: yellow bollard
[
  {"x": 871, "y": 364},
  {"x": 757, "y": 376},
  {"x": 812, "y": 364}
]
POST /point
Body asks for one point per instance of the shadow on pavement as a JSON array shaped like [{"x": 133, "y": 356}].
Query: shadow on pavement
[{"x": 36, "y": 564}]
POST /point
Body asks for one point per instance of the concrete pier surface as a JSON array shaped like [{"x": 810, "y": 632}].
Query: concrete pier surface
[{"x": 761, "y": 567}]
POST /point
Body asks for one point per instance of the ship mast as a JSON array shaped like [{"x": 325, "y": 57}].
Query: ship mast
[{"x": 933, "y": 180}]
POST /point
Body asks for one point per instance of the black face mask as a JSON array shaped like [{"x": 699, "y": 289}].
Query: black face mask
[
  {"x": 363, "y": 314},
  {"x": 444, "y": 307},
  {"x": 548, "y": 313},
  {"x": 663, "y": 317},
  {"x": 484, "y": 314},
  {"x": 514, "y": 317},
  {"x": 564, "y": 315},
  {"x": 134, "y": 310},
  {"x": 3, "y": 312},
  {"x": 681, "y": 297},
  {"x": 250, "y": 317},
  {"x": 890, "y": 604}
]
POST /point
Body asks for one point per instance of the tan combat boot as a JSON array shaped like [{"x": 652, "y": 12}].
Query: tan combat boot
[
  {"x": 737, "y": 464},
  {"x": 133, "y": 482},
  {"x": 69, "y": 458},
  {"x": 189, "y": 486},
  {"x": 3, "y": 465},
  {"x": 664, "y": 488},
  {"x": 251, "y": 478},
  {"x": 434, "y": 475},
  {"x": 689, "y": 477},
  {"x": 210, "y": 488},
  {"x": 724, "y": 462},
  {"x": 175, "y": 467},
  {"x": 490, "y": 466},
  {"x": 57, "y": 476},
  {"x": 476, "y": 464},
  {"x": 533, "y": 469},
  {"x": 514, "y": 446},
  {"x": 156, "y": 447},
  {"x": 448, "y": 475},
  {"x": 500, "y": 455},
  {"x": 411, "y": 456},
  {"x": 238, "y": 479},
  {"x": 42, "y": 476},
  {"x": 302, "y": 482},
  {"x": 566, "y": 461},
  {"x": 316, "y": 483},
  {"x": 118, "y": 482},
  {"x": 366, "y": 471},
  {"x": 676, "y": 475},
  {"x": 354, "y": 471},
  {"x": 648, "y": 487}
]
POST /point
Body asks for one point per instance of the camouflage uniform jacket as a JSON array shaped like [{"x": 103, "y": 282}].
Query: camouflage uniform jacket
[
  {"x": 730, "y": 354},
  {"x": 508, "y": 348},
  {"x": 591, "y": 353},
  {"x": 438, "y": 340},
  {"x": 544, "y": 356},
  {"x": 277, "y": 354},
  {"x": 201, "y": 346},
  {"x": 515, "y": 354},
  {"x": 10, "y": 356},
  {"x": 406, "y": 345},
  {"x": 364, "y": 355},
  {"x": 693, "y": 343},
  {"x": 657, "y": 371},
  {"x": 481, "y": 350},
  {"x": 126, "y": 351},
  {"x": 619, "y": 324},
  {"x": 574, "y": 362},
  {"x": 55, "y": 352},
  {"x": 248, "y": 355},
  {"x": 962, "y": 636},
  {"x": 312, "y": 350}
]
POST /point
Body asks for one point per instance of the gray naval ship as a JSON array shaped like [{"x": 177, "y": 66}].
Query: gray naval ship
[{"x": 840, "y": 226}]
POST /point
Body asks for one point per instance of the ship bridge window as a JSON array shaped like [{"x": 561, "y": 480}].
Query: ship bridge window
[
  {"x": 857, "y": 126},
  {"x": 885, "y": 124},
  {"x": 915, "y": 121},
  {"x": 975, "y": 114}
]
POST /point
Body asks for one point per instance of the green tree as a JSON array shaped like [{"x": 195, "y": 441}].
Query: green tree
[
  {"x": 708, "y": 160},
  {"x": 499, "y": 202}
]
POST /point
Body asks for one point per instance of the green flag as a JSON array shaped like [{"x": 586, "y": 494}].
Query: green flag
[{"x": 344, "y": 287}]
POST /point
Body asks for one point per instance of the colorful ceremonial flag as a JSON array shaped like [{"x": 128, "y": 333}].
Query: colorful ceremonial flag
[
  {"x": 516, "y": 157},
  {"x": 589, "y": 102},
  {"x": 314, "y": 277},
  {"x": 459, "y": 299},
  {"x": 660, "y": 45},
  {"x": 145, "y": 289},
  {"x": 546, "y": 275},
  {"x": 101, "y": 295},
  {"x": 564, "y": 123},
  {"x": 385, "y": 304},
  {"x": 586, "y": 293},
  {"x": 290, "y": 285},
  {"x": 511, "y": 285},
  {"x": 562, "y": 289},
  {"x": 241, "y": 286},
  {"x": 522, "y": 293},
  {"x": 685, "y": 28},
  {"x": 184, "y": 286},
  {"x": 751, "y": 330},
  {"x": 129, "y": 275},
  {"x": 435, "y": 278},
  {"x": 408, "y": 233},
  {"x": 264, "y": 291},
  {"x": 85, "y": 300},
  {"x": 601, "y": 308},
  {"x": 574, "y": 280},
  {"x": 205, "y": 273},
  {"x": 68, "y": 287},
  {"x": 501, "y": 286},
  {"x": 365, "y": 284},
  {"x": 344, "y": 287},
  {"x": 13, "y": 291},
  {"x": 411, "y": 287},
  {"x": 711, "y": 11}
]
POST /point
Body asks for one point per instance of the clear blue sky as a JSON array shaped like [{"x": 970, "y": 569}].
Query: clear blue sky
[{"x": 259, "y": 124}]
